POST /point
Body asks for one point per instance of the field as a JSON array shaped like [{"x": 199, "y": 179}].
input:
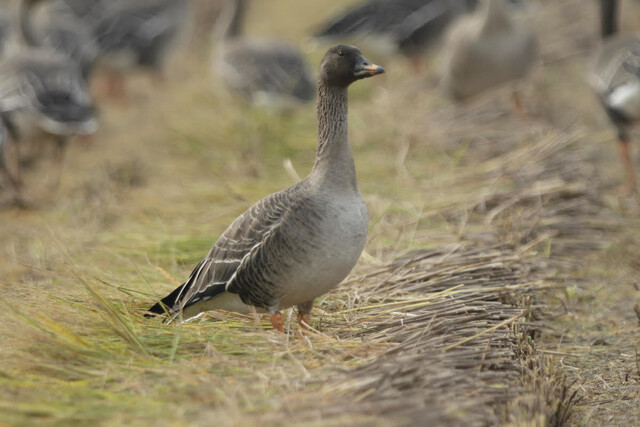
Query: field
[{"x": 497, "y": 285}]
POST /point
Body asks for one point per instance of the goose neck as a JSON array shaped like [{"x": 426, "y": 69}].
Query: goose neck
[
  {"x": 495, "y": 15},
  {"x": 334, "y": 161},
  {"x": 26, "y": 26},
  {"x": 231, "y": 19},
  {"x": 608, "y": 15}
]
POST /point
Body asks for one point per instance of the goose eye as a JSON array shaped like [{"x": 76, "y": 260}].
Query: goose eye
[{"x": 340, "y": 53}]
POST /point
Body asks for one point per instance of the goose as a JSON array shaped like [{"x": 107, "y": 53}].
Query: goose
[
  {"x": 485, "y": 49},
  {"x": 55, "y": 26},
  {"x": 406, "y": 26},
  {"x": 269, "y": 73},
  {"x": 136, "y": 34},
  {"x": 299, "y": 243},
  {"x": 615, "y": 77},
  {"x": 44, "y": 95}
]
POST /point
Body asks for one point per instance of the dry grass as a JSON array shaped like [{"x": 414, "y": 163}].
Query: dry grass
[{"x": 480, "y": 226}]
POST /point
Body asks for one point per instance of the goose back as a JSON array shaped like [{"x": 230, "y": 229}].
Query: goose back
[
  {"x": 408, "y": 25},
  {"x": 139, "y": 33},
  {"x": 263, "y": 72},
  {"x": 266, "y": 73}
]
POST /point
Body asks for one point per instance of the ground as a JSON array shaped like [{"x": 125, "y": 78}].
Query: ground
[{"x": 497, "y": 284}]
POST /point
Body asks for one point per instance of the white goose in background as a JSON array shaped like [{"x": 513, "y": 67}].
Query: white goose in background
[
  {"x": 299, "y": 243},
  {"x": 268, "y": 73},
  {"x": 486, "y": 49},
  {"x": 616, "y": 81}
]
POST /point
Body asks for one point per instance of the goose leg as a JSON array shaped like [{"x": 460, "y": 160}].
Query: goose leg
[
  {"x": 116, "y": 87},
  {"x": 58, "y": 156},
  {"x": 277, "y": 321},
  {"x": 304, "y": 316},
  {"x": 625, "y": 154},
  {"x": 12, "y": 171},
  {"x": 517, "y": 105},
  {"x": 416, "y": 63}
]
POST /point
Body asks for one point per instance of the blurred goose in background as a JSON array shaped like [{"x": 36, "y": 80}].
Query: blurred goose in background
[
  {"x": 299, "y": 243},
  {"x": 43, "y": 95},
  {"x": 269, "y": 73},
  {"x": 406, "y": 26},
  {"x": 134, "y": 34},
  {"x": 616, "y": 80},
  {"x": 486, "y": 49},
  {"x": 54, "y": 25}
]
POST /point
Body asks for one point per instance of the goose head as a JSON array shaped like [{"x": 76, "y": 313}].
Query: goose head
[{"x": 344, "y": 64}]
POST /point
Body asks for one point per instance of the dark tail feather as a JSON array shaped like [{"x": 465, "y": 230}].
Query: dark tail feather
[{"x": 166, "y": 304}]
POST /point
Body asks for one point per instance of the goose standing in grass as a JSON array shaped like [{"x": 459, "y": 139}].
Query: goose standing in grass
[
  {"x": 486, "y": 49},
  {"x": 299, "y": 243},
  {"x": 264, "y": 72},
  {"x": 43, "y": 95},
  {"x": 616, "y": 80},
  {"x": 406, "y": 26}
]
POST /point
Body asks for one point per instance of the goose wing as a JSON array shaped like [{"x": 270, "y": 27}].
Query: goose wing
[
  {"x": 250, "y": 67},
  {"x": 48, "y": 85},
  {"x": 138, "y": 26},
  {"x": 428, "y": 22},
  {"x": 617, "y": 63},
  {"x": 373, "y": 16},
  {"x": 235, "y": 253}
]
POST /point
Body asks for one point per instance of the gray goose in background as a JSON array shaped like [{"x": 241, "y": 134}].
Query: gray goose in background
[
  {"x": 616, "y": 81},
  {"x": 269, "y": 73},
  {"x": 486, "y": 49},
  {"x": 42, "y": 95},
  {"x": 406, "y": 26},
  {"x": 55, "y": 26},
  {"x": 140, "y": 33},
  {"x": 299, "y": 243},
  {"x": 131, "y": 34}
]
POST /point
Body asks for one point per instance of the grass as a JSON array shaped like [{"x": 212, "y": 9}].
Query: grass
[{"x": 483, "y": 227}]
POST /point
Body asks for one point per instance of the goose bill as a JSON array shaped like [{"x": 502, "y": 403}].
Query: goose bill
[{"x": 369, "y": 70}]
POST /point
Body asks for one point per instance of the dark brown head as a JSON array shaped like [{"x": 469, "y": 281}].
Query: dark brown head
[{"x": 344, "y": 64}]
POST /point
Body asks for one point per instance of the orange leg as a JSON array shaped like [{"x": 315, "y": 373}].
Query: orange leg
[
  {"x": 277, "y": 321},
  {"x": 12, "y": 172},
  {"x": 625, "y": 155},
  {"x": 416, "y": 63},
  {"x": 517, "y": 105},
  {"x": 304, "y": 320},
  {"x": 58, "y": 156}
]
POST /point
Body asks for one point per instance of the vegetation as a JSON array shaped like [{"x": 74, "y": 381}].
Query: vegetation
[{"x": 496, "y": 281}]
